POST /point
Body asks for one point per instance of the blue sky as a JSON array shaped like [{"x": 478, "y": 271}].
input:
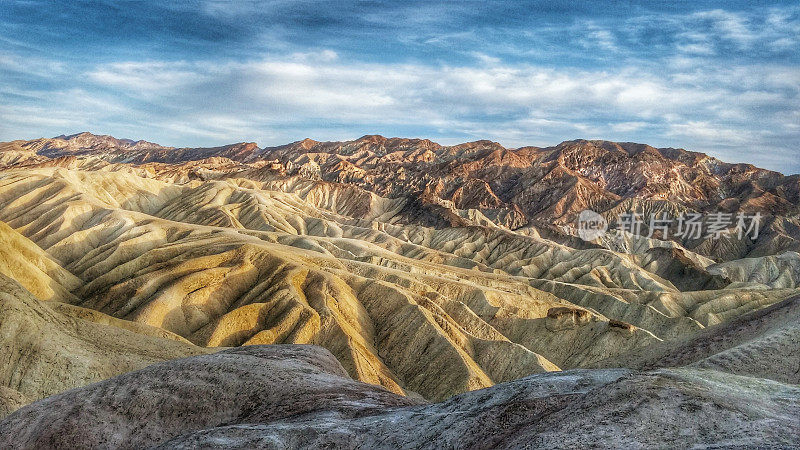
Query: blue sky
[{"x": 721, "y": 77}]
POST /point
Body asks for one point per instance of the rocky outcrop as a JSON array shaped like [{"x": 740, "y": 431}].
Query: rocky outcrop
[
  {"x": 299, "y": 397},
  {"x": 255, "y": 384}
]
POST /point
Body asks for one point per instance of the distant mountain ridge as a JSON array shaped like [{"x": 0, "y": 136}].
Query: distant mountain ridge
[
  {"x": 513, "y": 188},
  {"x": 87, "y": 142}
]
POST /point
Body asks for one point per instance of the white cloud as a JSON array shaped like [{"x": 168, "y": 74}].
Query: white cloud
[
  {"x": 730, "y": 25},
  {"x": 272, "y": 96},
  {"x": 707, "y": 132},
  {"x": 696, "y": 48},
  {"x": 31, "y": 66},
  {"x": 148, "y": 77},
  {"x": 600, "y": 37},
  {"x": 627, "y": 127},
  {"x": 687, "y": 95},
  {"x": 485, "y": 59}
]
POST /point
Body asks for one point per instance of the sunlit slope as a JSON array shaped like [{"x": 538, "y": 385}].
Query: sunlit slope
[
  {"x": 38, "y": 272},
  {"x": 415, "y": 309},
  {"x": 761, "y": 344},
  {"x": 47, "y": 348}
]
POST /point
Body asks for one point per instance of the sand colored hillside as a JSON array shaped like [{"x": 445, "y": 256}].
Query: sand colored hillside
[
  {"x": 416, "y": 309},
  {"x": 37, "y": 271},
  {"x": 45, "y": 351},
  {"x": 774, "y": 271},
  {"x": 762, "y": 344}
]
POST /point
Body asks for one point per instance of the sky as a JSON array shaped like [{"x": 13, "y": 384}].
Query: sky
[{"x": 721, "y": 77}]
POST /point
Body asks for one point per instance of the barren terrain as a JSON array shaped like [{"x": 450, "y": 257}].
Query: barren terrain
[{"x": 425, "y": 272}]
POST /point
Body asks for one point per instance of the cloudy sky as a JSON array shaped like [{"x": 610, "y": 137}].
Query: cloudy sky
[{"x": 721, "y": 77}]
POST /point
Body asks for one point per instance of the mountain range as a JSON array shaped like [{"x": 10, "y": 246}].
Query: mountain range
[
  {"x": 477, "y": 183},
  {"x": 447, "y": 281}
]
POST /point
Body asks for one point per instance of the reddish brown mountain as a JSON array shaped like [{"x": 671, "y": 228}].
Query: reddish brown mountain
[{"x": 543, "y": 188}]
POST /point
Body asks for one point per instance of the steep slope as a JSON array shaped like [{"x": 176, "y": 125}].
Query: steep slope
[
  {"x": 774, "y": 271},
  {"x": 14, "y": 154},
  {"x": 38, "y": 272},
  {"x": 45, "y": 352},
  {"x": 763, "y": 344}
]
